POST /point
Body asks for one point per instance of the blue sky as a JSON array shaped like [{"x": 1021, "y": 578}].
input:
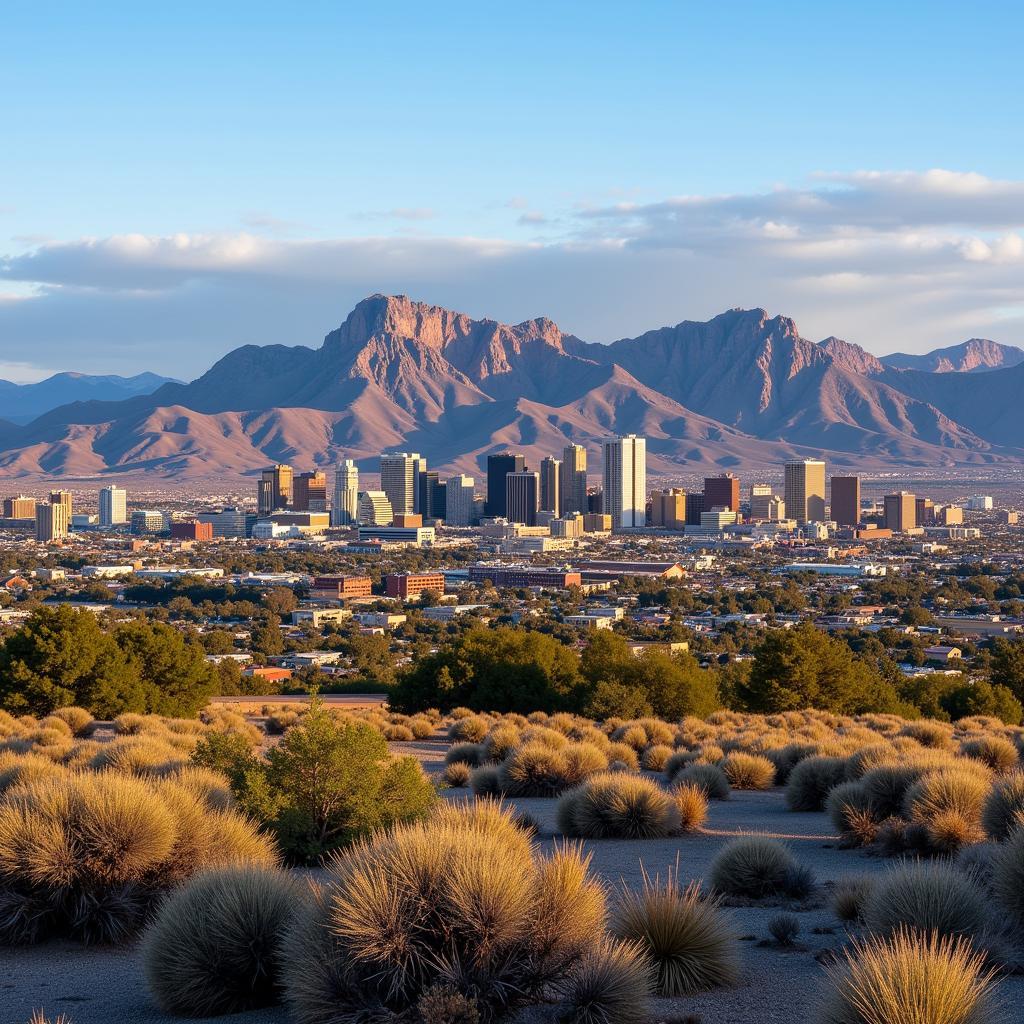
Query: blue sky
[{"x": 177, "y": 181}]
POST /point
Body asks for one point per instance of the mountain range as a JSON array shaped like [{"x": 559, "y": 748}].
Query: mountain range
[
  {"x": 22, "y": 403},
  {"x": 743, "y": 389}
]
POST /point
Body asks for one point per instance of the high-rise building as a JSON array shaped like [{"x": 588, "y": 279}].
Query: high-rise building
[
  {"x": 229, "y": 522},
  {"x": 375, "y": 509},
  {"x": 845, "y": 507},
  {"x": 51, "y": 521},
  {"x": 309, "y": 492},
  {"x": 550, "y": 484},
  {"x": 145, "y": 520},
  {"x": 924, "y": 512},
  {"x": 805, "y": 491},
  {"x": 274, "y": 490},
  {"x": 458, "y": 500},
  {"x": 113, "y": 506},
  {"x": 573, "y": 484},
  {"x": 21, "y": 507},
  {"x": 62, "y": 498},
  {"x": 399, "y": 480},
  {"x": 430, "y": 502},
  {"x": 900, "y": 511},
  {"x": 694, "y": 508},
  {"x": 764, "y": 503},
  {"x": 625, "y": 480},
  {"x": 522, "y": 497},
  {"x": 345, "y": 507},
  {"x": 722, "y": 492},
  {"x": 498, "y": 467},
  {"x": 668, "y": 508}
]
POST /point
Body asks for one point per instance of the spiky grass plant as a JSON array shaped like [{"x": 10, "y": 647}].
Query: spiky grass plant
[
  {"x": 675, "y": 763},
  {"x": 709, "y": 778},
  {"x": 212, "y": 788},
  {"x": 655, "y": 757},
  {"x": 935, "y": 735},
  {"x": 908, "y": 978},
  {"x": 534, "y": 769},
  {"x": 850, "y": 895},
  {"x": 784, "y": 929},
  {"x": 748, "y": 771},
  {"x": 472, "y": 754},
  {"x": 811, "y": 780},
  {"x": 471, "y": 728},
  {"x": 457, "y": 774},
  {"x": 618, "y": 806},
  {"x": 610, "y": 984},
  {"x": 1003, "y": 810},
  {"x": 995, "y": 751},
  {"x": 684, "y": 934},
  {"x": 79, "y": 721},
  {"x": 39, "y": 1017},
  {"x": 928, "y": 897},
  {"x": 485, "y": 781},
  {"x": 947, "y": 805},
  {"x": 1008, "y": 875},
  {"x": 692, "y": 804},
  {"x": 501, "y": 741},
  {"x": 756, "y": 867},
  {"x": 461, "y": 900},
  {"x": 850, "y": 809},
  {"x": 214, "y": 945},
  {"x": 20, "y": 769}
]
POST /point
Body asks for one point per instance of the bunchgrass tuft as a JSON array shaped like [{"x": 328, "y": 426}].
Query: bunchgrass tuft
[
  {"x": 757, "y": 867},
  {"x": 618, "y": 806},
  {"x": 610, "y": 984}
]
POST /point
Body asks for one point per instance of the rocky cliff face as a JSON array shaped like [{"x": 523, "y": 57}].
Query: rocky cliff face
[{"x": 973, "y": 356}]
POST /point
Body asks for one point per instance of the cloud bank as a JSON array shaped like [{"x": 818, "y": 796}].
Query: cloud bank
[{"x": 891, "y": 260}]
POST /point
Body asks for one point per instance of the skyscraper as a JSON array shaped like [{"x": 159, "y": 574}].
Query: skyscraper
[
  {"x": 399, "y": 480},
  {"x": 845, "y": 506},
  {"x": 550, "y": 484},
  {"x": 625, "y": 480},
  {"x": 375, "y": 509},
  {"x": 430, "y": 502},
  {"x": 113, "y": 506},
  {"x": 805, "y": 491},
  {"x": 668, "y": 508},
  {"x": 458, "y": 494},
  {"x": 52, "y": 521},
  {"x": 900, "y": 511},
  {"x": 345, "y": 507},
  {"x": 522, "y": 496},
  {"x": 498, "y": 467},
  {"x": 722, "y": 492},
  {"x": 309, "y": 492},
  {"x": 573, "y": 485},
  {"x": 62, "y": 498},
  {"x": 275, "y": 489}
]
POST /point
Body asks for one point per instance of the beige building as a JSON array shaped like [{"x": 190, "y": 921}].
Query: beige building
[
  {"x": 668, "y": 508},
  {"x": 805, "y": 491},
  {"x": 900, "y": 512},
  {"x": 52, "y": 521}
]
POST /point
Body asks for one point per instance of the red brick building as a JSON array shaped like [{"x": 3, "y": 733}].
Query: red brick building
[
  {"x": 192, "y": 531},
  {"x": 338, "y": 588},
  {"x": 524, "y": 576},
  {"x": 412, "y": 584}
]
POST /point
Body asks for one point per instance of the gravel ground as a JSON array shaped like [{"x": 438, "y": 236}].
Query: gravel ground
[{"x": 103, "y": 986}]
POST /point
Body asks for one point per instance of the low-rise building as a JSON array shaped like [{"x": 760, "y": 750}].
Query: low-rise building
[
  {"x": 340, "y": 588},
  {"x": 412, "y": 584}
]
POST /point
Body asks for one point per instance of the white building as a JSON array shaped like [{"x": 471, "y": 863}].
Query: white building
[
  {"x": 625, "y": 480},
  {"x": 458, "y": 507},
  {"x": 374, "y": 509},
  {"x": 980, "y": 503},
  {"x": 145, "y": 520},
  {"x": 399, "y": 480},
  {"x": 113, "y": 506},
  {"x": 345, "y": 506}
]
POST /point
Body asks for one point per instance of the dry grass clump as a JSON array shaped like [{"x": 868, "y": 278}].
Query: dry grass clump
[
  {"x": 398, "y": 734},
  {"x": 936, "y": 735},
  {"x": 655, "y": 757},
  {"x": 618, "y": 806},
  {"x": 947, "y": 805},
  {"x": 212, "y": 788},
  {"x": 692, "y": 803},
  {"x": 810, "y": 781},
  {"x": 86, "y": 855},
  {"x": 78, "y": 720},
  {"x": 756, "y": 867},
  {"x": 501, "y": 741},
  {"x": 457, "y": 774},
  {"x": 39, "y": 1017},
  {"x": 995, "y": 751},
  {"x": 609, "y": 984},
  {"x": 624, "y": 756},
  {"x": 471, "y": 728},
  {"x": 485, "y": 780},
  {"x": 683, "y": 933},
  {"x": 461, "y": 900},
  {"x": 214, "y": 945},
  {"x": 910, "y": 979},
  {"x": 748, "y": 771},
  {"x": 20, "y": 769},
  {"x": 1003, "y": 810},
  {"x": 537, "y": 769},
  {"x": 927, "y": 897},
  {"x": 1008, "y": 875},
  {"x": 784, "y": 929},
  {"x": 849, "y": 807},
  {"x": 278, "y": 722},
  {"x": 709, "y": 778},
  {"x": 850, "y": 895},
  {"x": 471, "y": 754}
]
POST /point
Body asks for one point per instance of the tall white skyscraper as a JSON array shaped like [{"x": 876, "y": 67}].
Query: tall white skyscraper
[
  {"x": 625, "y": 480},
  {"x": 345, "y": 506},
  {"x": 458, "y": 508},
  {"x": 113, "y": 506},
  {"x": 399, "y": 479}
]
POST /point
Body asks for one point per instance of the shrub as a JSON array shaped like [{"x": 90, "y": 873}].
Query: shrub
[
  {"x": 616, "y": 806},
  {"x": 457, "y": 774},
  {"x": 442, "y": 1004},
  {"x": 501, "y": 741},
  {"x": 470, "y": 728},
  {"x": 623, "y": 753},
  {"x": 850, "y": 809},
  {"x": 926, "y": 897},
  {"x": 1008, "y": 874},
  {"x": 484, "y": 781},
  {"x": 78, "y": 720},
  {"x": 676, "y": 762},
  {"x": 810, "y": 781},
  {"x": 461, "y": 900},
  {"x": 998, "y": 753},
  {"x": 1003, "y": 810},
  {"x": 421, "y": 728},
  {"x": 947, "y": 804},
  {"x": 655, "y": 757},
  {"x": 930, "y": 734},
  {"x": 784, "y": 929},
  {"x": 909, "y": 978},
  {"x": 610, "y": 984},
  {"x": 214, "y": 946},
  {"x": 534, "y": 769},
  {"x": 850, "y": 895},
  {"x": 682, "y": 933},
  {"x": 398, "y": 734},
  {"x": 708, "y": 777},
  {"x": 748, "y": 771},
  {"x": 692, "y": 804},
  {"x": 755, "y": 867},
  {"x": 886, "y": 787},
  {"x": 471, "y": 754},
  {"x": 209, "y": 786}
]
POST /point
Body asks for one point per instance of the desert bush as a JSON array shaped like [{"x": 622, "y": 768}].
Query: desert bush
[
  {"x": 684, "y": 934},
  {"x": 784, "y": 929},
  {"x": 19, "y": 769},
  {"x": 947, "y": 805},
  {"x": 457, "y": 774},
  {"x": 209, "y": 786},
  {"x": 617, "y": 806},
  {"x": 850, "y": 895},
  {"x": 748, "y": 771},
  {"x": 929, "y": 733},
  {"x": 886, "y": 787},
  {"x": 501, "y": 741},
  {"x": 609, "y": 984},
  {"x": 214, "y": 945},
  {"x": 692, "y": 804},
  {"x": 655, "y": 757},
  {"x": 461, "y": 900},
  {"x": 708, "y": 777},
  {"x": 471, "y": 754},
  {"x": 1008, "y": 875},
  {"x": 676, "y": 762},
  {"x": 978, "y": 861},
  {"x": 810, "y": 781},
  {"x": 534, "y": 769},
  {"x": 79, "y": 721},
  {"x": 1003, "y": 810},
  {"x": 422, "y": 728},
  {"x": 926, "y": 897},
  {"x": 909, "y": 978},
  {"x": 995, "y": 751},
  {"x": 398, "y": 734},
  {"x": 849, "y": 807},
  {"x": 755, "y": 867},
  {"x": 471, "y": 728},
  {"x": 624, "y": 754},
  {"x": 485, "y": 781}
]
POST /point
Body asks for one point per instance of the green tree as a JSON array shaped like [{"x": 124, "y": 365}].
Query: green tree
[{"x": 1008, "y": 665}]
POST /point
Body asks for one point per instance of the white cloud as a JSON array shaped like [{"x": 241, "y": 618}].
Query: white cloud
[{"x": 892, "y": 260}]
